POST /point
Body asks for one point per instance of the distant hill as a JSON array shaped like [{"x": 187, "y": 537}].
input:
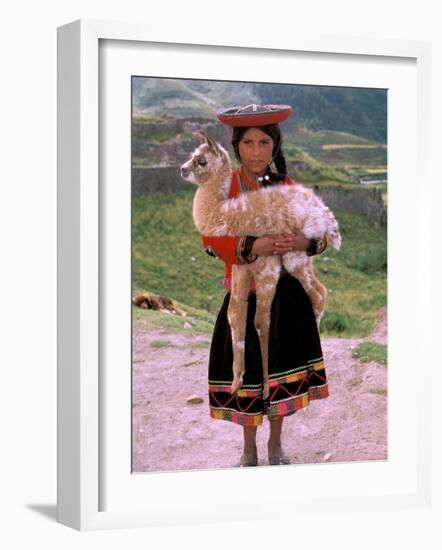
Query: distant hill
[{"x": 358, "y": 111}]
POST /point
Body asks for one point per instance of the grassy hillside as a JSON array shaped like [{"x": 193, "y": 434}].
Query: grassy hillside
[
  {"x": 339, "y": 148},
  {"x": 312, "y": 156},
  {"x": 168, "y": 259},
  {"x": 358, "y": 111}
]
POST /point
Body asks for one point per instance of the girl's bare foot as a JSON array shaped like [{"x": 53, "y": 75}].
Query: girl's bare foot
[
  {"x": 274, "y": 447},
  {"x": 247, "y": 460},
  {"x": 249, "y": 455},
  {"x": 277, "y": 456}
]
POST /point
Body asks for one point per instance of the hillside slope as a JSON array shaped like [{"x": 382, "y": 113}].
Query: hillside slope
[{"x": 362, "y": 112}]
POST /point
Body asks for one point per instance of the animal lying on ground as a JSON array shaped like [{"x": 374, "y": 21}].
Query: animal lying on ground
[
  {"x": 157, "y": 303},
  {"x": 273, "y": 210}
]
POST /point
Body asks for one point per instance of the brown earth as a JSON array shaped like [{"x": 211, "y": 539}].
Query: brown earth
[{"x": 171, "y": 434}]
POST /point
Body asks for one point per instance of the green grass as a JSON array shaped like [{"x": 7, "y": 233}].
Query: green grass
[
  {"x": 168, "y": 259},
  {"x": 371, "y": 351},
  {"x": 319, "y": 138},
  {"x": 197, "y": 322},
  {"x": 356, "y": 381},
  {"x": 162, "y": 344},
  {"x": 315, "y": 171},
  {"x": 377, "y": 391},
  {"x": 152, "y": 118},
  {"x": 202, "y": 344},
  {"x": 312, "y": 142},
  {"x": 356, "y": 277},
  {"x": 142, "y": 162},
  {"x": 159, "y": 136},
  {"x": 342, "y": 157},
  {"x": 321, "y": 173},
  {"x": 192, "y": 363}
]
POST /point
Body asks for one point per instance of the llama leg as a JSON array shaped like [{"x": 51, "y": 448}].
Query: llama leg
[
  {"x": 320, "y": 299},
  {"x": 301, "y": 267},
  {"x": 266, "y": 274},
  {"x": 237, "y": 316},
  {"x": 315, "y": 290}
]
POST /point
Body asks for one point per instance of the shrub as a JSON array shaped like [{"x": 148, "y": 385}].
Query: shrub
[
  {"x": 370, "y": 260},
  {"x": 335, "y": 322}
]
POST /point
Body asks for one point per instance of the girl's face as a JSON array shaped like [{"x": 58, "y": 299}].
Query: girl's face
[{"x": 255, "y": 151}]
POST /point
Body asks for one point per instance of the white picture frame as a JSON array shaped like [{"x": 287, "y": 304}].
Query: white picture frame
[{"x": 80, "y": 296}]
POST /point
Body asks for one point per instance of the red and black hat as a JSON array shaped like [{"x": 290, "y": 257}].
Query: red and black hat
[{"x": 254, "y": 115}]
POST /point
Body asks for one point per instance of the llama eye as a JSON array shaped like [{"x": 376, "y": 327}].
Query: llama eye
[{"x": 202, "y": 162}]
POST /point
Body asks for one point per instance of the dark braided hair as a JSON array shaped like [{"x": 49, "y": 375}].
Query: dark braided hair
[{"x": 273, "y": 131}]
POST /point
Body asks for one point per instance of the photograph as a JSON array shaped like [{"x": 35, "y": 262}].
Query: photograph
[{"x": 258, "y": 274}]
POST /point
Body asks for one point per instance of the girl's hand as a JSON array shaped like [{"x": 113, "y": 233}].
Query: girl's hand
[{"x": 280, "y": 244}]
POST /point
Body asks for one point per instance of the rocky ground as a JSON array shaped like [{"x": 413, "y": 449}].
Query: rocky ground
[{"x": 170, "y": 434}]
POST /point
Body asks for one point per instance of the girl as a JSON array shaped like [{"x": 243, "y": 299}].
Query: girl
[{"x": 296, "y": 368}]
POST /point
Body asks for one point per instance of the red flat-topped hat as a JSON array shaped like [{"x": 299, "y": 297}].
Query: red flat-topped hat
[{"x": 254, "y": 115}]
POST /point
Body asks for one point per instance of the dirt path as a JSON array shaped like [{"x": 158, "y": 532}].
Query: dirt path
[{"x": 169, "y": 434}]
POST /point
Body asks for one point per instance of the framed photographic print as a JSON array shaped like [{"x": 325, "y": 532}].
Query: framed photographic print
[{"x": 135, "y": 451}]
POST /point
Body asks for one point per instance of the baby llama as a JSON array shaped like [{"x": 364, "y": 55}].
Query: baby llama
[{"x": 271, "y": 210}]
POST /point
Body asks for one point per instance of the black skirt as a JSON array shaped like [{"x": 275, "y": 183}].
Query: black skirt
[{"x": 296, "y": 368}]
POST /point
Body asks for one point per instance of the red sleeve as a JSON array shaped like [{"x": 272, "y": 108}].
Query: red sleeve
[
  {"x": 225, "y": 248},
  {"x": 288, "y": 181}
]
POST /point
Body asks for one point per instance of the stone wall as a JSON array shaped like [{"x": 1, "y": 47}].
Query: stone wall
[
  {"x": 157, "y": 179},
  {"x": 179, "y": 144},
  {"x": 360, "y": 200}
]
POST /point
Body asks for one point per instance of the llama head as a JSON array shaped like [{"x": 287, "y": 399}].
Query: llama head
[{"x": 207, "y": 163}]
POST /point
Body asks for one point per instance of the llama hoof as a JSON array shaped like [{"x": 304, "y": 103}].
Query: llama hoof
[
  {"x": 318, "y": 318},
  {"x": 236, "y": 384}
]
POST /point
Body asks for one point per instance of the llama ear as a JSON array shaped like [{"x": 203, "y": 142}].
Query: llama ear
[
  {"x": 204, "y": 138},
  {"x": 199, "y": 134},
  {"x": 212, "y": 144}
]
